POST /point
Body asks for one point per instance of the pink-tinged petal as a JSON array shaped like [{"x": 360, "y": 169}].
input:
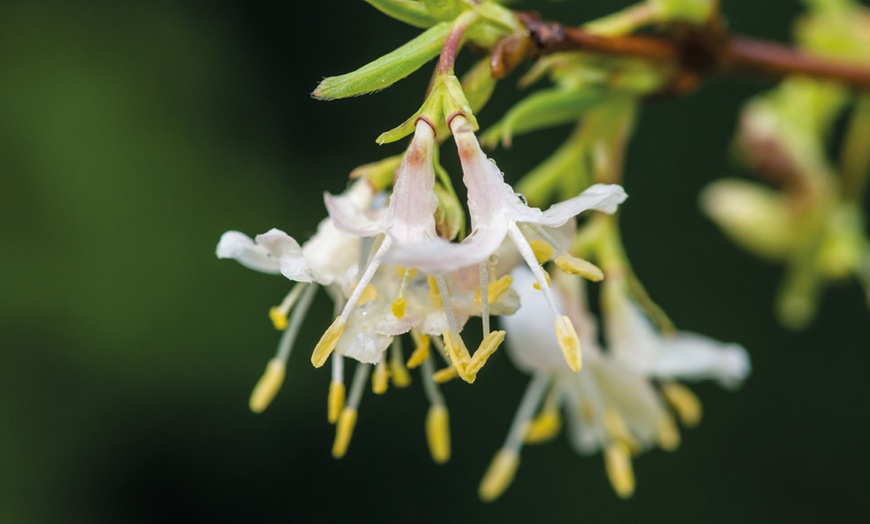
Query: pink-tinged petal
[
  {"x": 600, "y": 197},
  {"x": 350, "y": 217},
  {"x": 413, "y": 202},
  {"x": 439, "y": 256},
  {"x": 490, "y": 199},
  {"x": 262, "y": 254}
]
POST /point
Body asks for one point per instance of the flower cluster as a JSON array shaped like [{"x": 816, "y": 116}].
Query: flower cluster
[{"x": 393, "y": 256}]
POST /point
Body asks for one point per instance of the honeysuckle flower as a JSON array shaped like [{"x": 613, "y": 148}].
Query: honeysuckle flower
[
  {"x": 498, "y": 213},
  {"x": 611, "y": 405}
]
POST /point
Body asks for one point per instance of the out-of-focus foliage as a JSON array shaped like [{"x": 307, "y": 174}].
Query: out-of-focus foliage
[{"x": 133, "y": 134}]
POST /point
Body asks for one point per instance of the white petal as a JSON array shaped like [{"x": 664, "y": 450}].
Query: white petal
[
  {"x": 348, "y": 216},
  {"x": 413, "y": 202},
  {"x": 600, "y": 197},
  {"x": 694, "y": 357},
  {"x": 440, "y": 256},
  {"x": 260, "y": 256},
  {"x": 362, "y": 344},
  {"x": 331, "y": 252}
]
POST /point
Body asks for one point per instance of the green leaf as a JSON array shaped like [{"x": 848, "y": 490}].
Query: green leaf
[
  {"x": 386, "y": 70},
  {"x": 546, "y": 108},
  {"x": 411, "y": 12}
]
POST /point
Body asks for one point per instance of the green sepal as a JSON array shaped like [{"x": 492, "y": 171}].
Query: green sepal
[
  {"x": 445, "y": 99},
  {"x": 380, "y": 174},
  {"x": 546, "y": 108},
  {"x": 411, "y": 12},
  {"x": 387, "y": 69},
  {"x": 694, "y": 11}
]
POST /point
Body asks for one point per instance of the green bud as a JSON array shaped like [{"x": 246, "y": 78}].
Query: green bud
[
  {"x": 449, "y": 215},
  {"x": 694, "y": 11},
  {"x": 387, "y": 69},
  {"x": 478, "y": 84},
  {"x": 380, "y": 174},
  {"x": 443, "y": 9}
]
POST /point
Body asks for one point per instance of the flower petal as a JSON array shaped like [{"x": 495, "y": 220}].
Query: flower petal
[
  {"x": 348, "y": 216},
  {"x": 440, "y": 256},
  {"x": 690, "y": 356},
  {"x": 262, "y": 254},
  {"x": 600, "y": 197}
]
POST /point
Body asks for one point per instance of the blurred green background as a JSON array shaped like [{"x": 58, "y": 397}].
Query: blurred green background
[{"x": 132, "y": 134}]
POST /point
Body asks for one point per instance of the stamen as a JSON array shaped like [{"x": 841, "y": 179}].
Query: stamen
[
  {"x": 445, "y": 375},
  {"x": 381, "y": 377},
  {"x": 421, "y": 352},
  {"x": 578, "y": 266},
  {"x": 617, "y": 463},
  {"x": 335, "y": 401},
  {"x": 684, "y": 402},
  {"x": 542, "y": 249},
  {"x": 456, "y": 351},
  {"x": 500, "y": 474},
  {"x": 544, "y": 427},
  {"x": 504, "y": 465},
  {"x": 268, "y": 385},
  {"x": 327, "y": 342},
  {"x": 537, "y": 285},
  {"x": 348, "y": 416},
  {"x": 568, "y": 342},
  {"x": 369, "y": 294},
  {"x": 667, "y": 433},
  {"x": 548, "y": 423},
  {"x": 278, "y": 314},
  {"x": 434, "y": 293},
  {"x": 437, "y": 420},
  {"x": 398, "y": 372},
  {"x": 616, "y": 428},
  {"x": 487, "y": 347},
  {"x": 484, "y": 306},
  {"x": 438, "y": 433},
  {"x": 496, "y": 289},
  {"x": 399, "y": 303}
]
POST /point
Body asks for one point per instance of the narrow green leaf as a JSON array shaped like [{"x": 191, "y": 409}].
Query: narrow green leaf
[
  {"x": 546, "y": 108},
  {"x": 410, "y": 12},
  {"x": 387, "y": 69}
]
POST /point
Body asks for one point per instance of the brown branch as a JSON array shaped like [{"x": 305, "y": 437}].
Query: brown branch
[{"x": 696, "y": 52}]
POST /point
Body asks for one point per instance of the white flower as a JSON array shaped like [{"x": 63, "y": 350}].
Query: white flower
[
  {"x": 496, "y": 213},
  {"x": 611, "y": 405}
]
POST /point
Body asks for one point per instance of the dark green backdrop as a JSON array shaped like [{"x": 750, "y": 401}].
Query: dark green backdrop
[{"x": 132, "y": 134}]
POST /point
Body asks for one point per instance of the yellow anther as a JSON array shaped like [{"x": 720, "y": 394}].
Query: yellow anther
[
  {"x": 537, "y": 285},
  {"x": 268, "y": 385},
  {"x": 343, "y": 432},
  {"x": 578, "y": 266},
  {"x": 545, "y": 427},
  {"x": 398, "y": 307},
  {"x": 445, "y": 375},
  {"x": 421, "y": 352},
  {"x": 667, "y": 433},
  {"x": 455, "y": 348},
  {"x": 615, "y": 426},
  {"x": 438, "y": 433},
  {"x": 543, "y": 250},
  {"x": 568, "y": 342},
  {"x": 484, "y": 351},
  {"x": 278, "y": 317},
  {"x": 335, "y": 401},
  {"x": 684, "y": 402},
  {"x": 399, "y": 374},
  {"x": 400, "y": 271},
  {"x": 617, "y": 462},
  {"x": 327, "y": 342},
  {"x": 499, "y": 475},
  {"x": 434, "y": 293},
  {"x": 496, "y": 289},
  {"x": 380, "y": 378},
  {"x": 369, "y": 294}
]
